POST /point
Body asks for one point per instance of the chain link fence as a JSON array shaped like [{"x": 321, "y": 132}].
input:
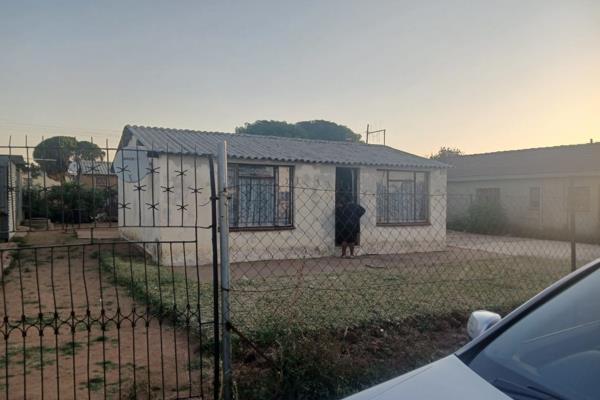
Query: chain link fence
[{"x": 417, "y": 260}]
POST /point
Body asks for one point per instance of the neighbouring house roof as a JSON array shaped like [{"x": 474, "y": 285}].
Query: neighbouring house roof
[
  {"x": 91, "y": 168},
  {"x": 17, "y": 160},
  {"x": 569, "y": 160},
  {"x": 271, "y": 148}
]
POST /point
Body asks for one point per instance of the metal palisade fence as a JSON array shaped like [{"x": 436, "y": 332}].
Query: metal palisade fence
[
  {"x": 112, "y": 277},
  {"x": 95, "y": 303}
]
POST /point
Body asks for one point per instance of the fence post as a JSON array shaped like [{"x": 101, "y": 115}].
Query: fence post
[
  {"x": 572, "y": 227},
  {"x": 224, "y": 251}
]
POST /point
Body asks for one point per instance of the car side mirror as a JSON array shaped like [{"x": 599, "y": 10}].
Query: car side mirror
[{"x": 480, "y": 321}]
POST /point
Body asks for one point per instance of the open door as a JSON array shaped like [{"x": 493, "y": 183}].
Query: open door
[{"x": 346, "y": 189}]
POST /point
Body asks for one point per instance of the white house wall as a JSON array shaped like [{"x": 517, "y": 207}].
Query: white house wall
[{"x": 313, "y": 234}]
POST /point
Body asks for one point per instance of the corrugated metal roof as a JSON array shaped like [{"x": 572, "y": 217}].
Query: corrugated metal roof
[
  {"x": 18, "y": 160},
  {"x": 95, "y": 168},
  {"x": 559, "y": 160},
  {"x": 271, "y": 148}
]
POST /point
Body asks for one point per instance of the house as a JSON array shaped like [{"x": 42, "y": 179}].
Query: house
[
  {"x": 283, "y": 194},
  {"x": 98, "y": 174},
  {"x": 535, "y": 188},
  {"x": 11, "y": 211}
]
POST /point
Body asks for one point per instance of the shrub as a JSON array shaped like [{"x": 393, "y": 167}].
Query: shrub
[
  {"x": 486, "y": 217},
  {"x": 70, "y": 203}
]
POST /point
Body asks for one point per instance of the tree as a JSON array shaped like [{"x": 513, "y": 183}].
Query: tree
[
  {"x": 88, "y": 151},
  {"x": 445, "y": 153},
  {"x": 316, "y": 129},
  {"x": 326, "y": 130},
  {"x": 56, "y": 153},
  {"x": 270, "y": 128}
]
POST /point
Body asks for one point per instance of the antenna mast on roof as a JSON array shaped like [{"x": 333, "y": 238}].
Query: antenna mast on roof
[{"x": 372, "y": 132}]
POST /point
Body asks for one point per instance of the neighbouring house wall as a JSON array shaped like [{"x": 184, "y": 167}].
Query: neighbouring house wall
[
  {"x": 313, "y": 233},
  {"x": 552, "y": 216},
  {"x": 99, "y": 181}
]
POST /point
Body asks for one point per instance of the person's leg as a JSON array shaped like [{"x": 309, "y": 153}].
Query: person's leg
[
  {"x": 344, "y": 246},
  {"x": 351, "y": 245}
]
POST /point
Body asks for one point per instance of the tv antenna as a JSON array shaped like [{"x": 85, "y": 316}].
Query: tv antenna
[{"x": 376, "y": 132}]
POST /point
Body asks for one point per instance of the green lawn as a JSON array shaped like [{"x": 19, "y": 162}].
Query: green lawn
[{"x": 339, "y": 299}]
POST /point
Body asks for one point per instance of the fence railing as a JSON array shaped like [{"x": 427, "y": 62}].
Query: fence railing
[{"x": 86, "y": 314}]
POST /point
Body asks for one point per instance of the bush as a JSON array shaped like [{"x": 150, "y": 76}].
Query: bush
[
  {"x": 485, "y": 217},
  {"x": 69, "y": 203}
]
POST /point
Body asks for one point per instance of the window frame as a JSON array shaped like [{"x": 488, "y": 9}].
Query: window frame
[
  {"x": 276, "y": 185},
  {"x": 426, "y": 221}
]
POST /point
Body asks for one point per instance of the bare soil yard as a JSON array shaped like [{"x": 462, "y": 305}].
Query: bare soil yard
[{"x": 71, "y": 332}]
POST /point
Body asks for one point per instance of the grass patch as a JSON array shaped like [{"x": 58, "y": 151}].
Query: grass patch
[
  {"x": 94, "y": 384},
  {"x": 263, "y": 306},
  {"x": 69, "y": 349},
  {"x": 107, "y": 365},
  {"x": 34, "y": 357}
]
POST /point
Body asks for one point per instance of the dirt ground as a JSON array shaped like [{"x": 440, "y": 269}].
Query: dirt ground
[
  {"x": 72, "y": 333},
  {"x": 336, "y": 363}
]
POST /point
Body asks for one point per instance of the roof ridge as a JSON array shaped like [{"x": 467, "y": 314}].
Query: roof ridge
[
  {"x": 271, "y": 137},
  {"x": 527, "y": 149},
  {"x": 349, "y": 150}
]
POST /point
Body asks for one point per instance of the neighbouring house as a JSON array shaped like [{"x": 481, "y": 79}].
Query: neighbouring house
[
  {"x": 98, "y": 174},
  {"x": 283, "y": 194},
  {"x": 534, "y": 187},
  {"x": 98, "y": 177},
  {"x": 11, "y": 210}
]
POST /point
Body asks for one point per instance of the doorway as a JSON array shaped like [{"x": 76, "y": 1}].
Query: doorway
[{"x": 346, "y": 189}]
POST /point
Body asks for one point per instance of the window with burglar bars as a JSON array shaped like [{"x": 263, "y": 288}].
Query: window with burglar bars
[
  {"x": 402, "y": 197},
  {"x": 261, "y": 196}
]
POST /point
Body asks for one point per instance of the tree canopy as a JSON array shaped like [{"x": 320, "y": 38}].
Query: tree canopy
[
  {"x": 54, "y": 154},
  {"x": 316, "y": 129},
  {"x": 445, "y": 153}
]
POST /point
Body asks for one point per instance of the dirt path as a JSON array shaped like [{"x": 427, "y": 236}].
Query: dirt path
[
  {"x": 71, "y": 333},
  {"x": 518, "y": 246}
]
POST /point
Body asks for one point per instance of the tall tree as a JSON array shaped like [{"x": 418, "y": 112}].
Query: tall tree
[
  {"x": 445, "y": 153},
  {"x": 54, "y": 154},
  {"x": 326, "y": 130},
  {"x": 270, "y": 128},
  {"x": 316, "y": 129},
  {"x": 88, "y": 151}
]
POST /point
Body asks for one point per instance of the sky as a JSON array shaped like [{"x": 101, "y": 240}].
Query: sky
[{"x": 477, "y": 75}]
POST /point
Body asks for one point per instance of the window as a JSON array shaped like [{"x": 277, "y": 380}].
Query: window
[
  {"x": 579, "y": 198},
  {"x": 534, "y": 198},
  {"x": 488, "y": 195},
  {"x": 261, "y": 196},
  {"x": 101, "y": 181},
  {"x": 402, "y": 197}
]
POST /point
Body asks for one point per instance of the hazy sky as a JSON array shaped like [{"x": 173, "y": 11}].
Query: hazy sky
[{"x": 478, "y": 75}]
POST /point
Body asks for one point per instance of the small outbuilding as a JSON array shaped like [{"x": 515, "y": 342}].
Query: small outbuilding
[
  {"x": 11, "y": 210},
  {"x": 283, "y": 194}
]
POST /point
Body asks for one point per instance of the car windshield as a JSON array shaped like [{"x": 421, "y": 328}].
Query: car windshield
[{"x": 554, "y": 350}]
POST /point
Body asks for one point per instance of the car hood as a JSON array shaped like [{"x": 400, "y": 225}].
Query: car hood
[{"x": 448, "y": 378}]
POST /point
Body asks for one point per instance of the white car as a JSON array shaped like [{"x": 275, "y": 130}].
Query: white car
[{"x": 547, "y": 349}]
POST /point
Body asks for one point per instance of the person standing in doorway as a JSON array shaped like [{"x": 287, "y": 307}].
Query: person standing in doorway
[{"x": 347, "y": 228}]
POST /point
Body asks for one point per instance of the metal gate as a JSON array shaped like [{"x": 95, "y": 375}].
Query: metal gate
[{"x": 97, "y": 307}]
